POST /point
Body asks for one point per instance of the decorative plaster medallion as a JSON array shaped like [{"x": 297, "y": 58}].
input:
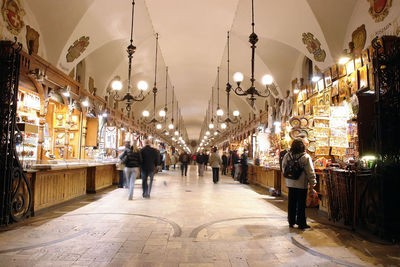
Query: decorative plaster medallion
[
  {"x": 32, "y": 40},
  {"x": 13, "y": 15},
  {"x": 77, "y": 48},
  {"x": 314, "y": 47},
  {"x": 359, "y": 37},
  {"x": 379, "y": 9}
]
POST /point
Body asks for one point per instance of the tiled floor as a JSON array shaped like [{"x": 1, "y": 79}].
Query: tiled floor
[{"x": 188, "y": 221}]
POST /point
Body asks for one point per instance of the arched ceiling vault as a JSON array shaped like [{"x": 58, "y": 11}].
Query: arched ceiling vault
[{"x": 192, "y": 43}]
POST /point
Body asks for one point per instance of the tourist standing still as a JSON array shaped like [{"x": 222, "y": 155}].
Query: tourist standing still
[
  {"x": 215, "y": 163},
  {"x": 224, "y": 163},
  {"x": 297, "y": 158},
  {"x": 243, "y": 164},
  {"x": 132, "y": 159},
  {"x": 184, "y": 159},
  {"x": 151, "y": 159}
]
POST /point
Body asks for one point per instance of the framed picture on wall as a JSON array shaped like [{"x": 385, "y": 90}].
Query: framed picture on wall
[
  {"x": 371, "y": 77},
  {"x": 342, "y": 70},
  {"x": 313, "y": 103},
  {"x": 350, "y": 67},
  {"x": 300, "y": 107},
  {"x": 321, "y": 85},
  {"x": 335, "y": 88},
  {"x": 352, "y": 82},
  {"x": 342, "y": 87},
  {"x": 307, "y": 107},
  {"x": 365, "y": 57},
  {"x": 363, "y": 75},
  {"x": 328, "y": 77},
  {"x": 358, "y": 63},
  {"x": 334, "y": 72}
]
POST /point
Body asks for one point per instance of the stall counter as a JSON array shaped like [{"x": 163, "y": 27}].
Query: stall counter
[{"x": 268, "y": 177}]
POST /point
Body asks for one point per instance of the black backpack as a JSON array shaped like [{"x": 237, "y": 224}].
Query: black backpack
[{"x": 293, "y": 168}]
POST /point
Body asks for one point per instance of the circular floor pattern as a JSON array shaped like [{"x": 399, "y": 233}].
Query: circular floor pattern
[{"x": 177, "y": 230}]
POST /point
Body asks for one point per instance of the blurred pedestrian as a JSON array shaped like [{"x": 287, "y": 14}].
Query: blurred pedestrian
[
  {"x": 151, "y": 159},
  {"x": 215, "y": 163}
]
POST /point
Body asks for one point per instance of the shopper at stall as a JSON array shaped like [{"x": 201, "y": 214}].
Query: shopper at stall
[
  {"x": 132, "y": 158},
  {"x": 151, "y": 159},
  {"x": 167, "y": 160},
  {"x": 298, "y": 163},
  {"x": 207, "y": 160},
  {"x": 200, "y": 159},
  {"x": 184, "y": 160},
  {"x": 235, "y": 163},
  {"x": 224, "y": 163},
  {"x": 244, "y": 166},
  {"x": 215, "y": 163},
  {"x": 173, "y": 160}
]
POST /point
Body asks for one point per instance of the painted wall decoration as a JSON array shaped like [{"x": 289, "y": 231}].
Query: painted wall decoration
[
  {"x": 359, "y": 37},
  {"x": 32, "y": 40},
  {"x": 379, "y": 9},
  {"x": 77, "y": 48},
  {"x": 314, "y": 46},
  {"x": 13, "y": 15}
]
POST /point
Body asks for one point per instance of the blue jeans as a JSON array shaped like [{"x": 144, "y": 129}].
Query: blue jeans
[
  {"x": 145, "y": 186},
  {"x": 131, "y": 174}
]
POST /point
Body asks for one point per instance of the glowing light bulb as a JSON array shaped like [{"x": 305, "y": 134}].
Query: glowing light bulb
[
  {"x": 238, "y": 77},
  {"x": 267, "y": 79},
  {"x": 145, "y": 113},
  {"x": 176, "y": 133},
  {"x": 170, "y": 126},
  {"x": 162, "y": 113},
  {"x": 208, "y": 133},
  {"x": 220, "y": 112},
  {"x": 236, "y": 113},
  {"x": 223, "y": 125},
  {"x": 159, "y": 126},
  {"x": 142, "y": 86},
  {"x": 116, "y": 85},
  {"x": 315, "y": 79},
  {"x": 211, "y": 126}
]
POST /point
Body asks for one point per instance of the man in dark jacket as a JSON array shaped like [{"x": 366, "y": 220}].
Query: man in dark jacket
[
  {"x": 201, "y": 159},
  {"x": 243, "y": 163},
  {"x": 151, "y": 159},
  {"x": 235, "y": 163},
  {"x": 184, "y": 159},
  {"x": 224, "y": 163}
]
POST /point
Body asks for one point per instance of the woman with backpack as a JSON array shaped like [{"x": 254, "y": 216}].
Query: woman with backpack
[
  {"x": 298, "y": 170},
  {"x": 132, "y": 158}
]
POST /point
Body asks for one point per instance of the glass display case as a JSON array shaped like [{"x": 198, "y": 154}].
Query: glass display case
[{"x": 27, "y": 149}]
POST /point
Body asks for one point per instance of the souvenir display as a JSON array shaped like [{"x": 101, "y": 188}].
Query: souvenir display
[
  {"x": 313, "y": 103},
  {"x": 74, "y": 122},
  {"x": 343, "y": 87},
  {"x": 307, "y": 109},
  {"x": 352, "y": 83},
  {"x": 294, "y": 122},
  {"x": 322, "y": 151},
  {"x": 59, "y": 120},
  {"x": 358, "y": 63},
  {"x": 303, "y": 122}
]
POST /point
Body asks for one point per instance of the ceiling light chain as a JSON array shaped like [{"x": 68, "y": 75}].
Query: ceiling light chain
[{"x": 238, "y": 77}]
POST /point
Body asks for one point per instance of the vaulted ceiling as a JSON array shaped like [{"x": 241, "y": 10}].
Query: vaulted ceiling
[{"x": 192, "y": 43}]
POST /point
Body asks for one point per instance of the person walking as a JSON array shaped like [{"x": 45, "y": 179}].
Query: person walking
[
  {"x": 224, "y": 163},
  {"x": 132, "y": 158},
  {"x": 215, "y": 163},
  {"x": 151, "y": 159},
  {"x": 173, "y": 160},
  {"x": 121, "y": 166},
  {"x": 200, "y": 159},
  {"x": 244, "y": 166},
  {"x": 184, "y": 160},
  {"x": 299, "y": 174}
]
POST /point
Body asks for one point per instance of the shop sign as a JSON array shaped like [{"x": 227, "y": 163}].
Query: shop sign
[
  {"x": 13, "y": 15},
  {"x": 314, "y": 46},
  {"x": 379, "y": 9}
]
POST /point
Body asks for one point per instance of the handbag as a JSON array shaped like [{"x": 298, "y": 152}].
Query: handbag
[{"x": 312, "y": 198}]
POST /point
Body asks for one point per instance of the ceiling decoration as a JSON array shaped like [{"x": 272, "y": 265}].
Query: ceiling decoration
[
  {"x": 379, "y": 9},
  {"x": 13, "y": 15},
  {"x": 77, "y": 48},
  {"x": 359, "y": 37},
  {"x": 314, "y": 46}
]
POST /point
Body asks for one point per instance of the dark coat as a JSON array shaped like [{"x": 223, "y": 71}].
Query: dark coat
[
  {"x": 243, "y": 160},
  {"x": 224, "y": 160},
  {"x": 131, "y": 159},
  {"x": 184, "y": 159},
  {"x": 151, "y": 158},
  {"x": 201, "y": 158},
  {"x": 235, "y": 158}
]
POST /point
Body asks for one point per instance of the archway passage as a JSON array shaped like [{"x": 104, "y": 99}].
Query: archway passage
[{"x": 188, "y": 220}]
